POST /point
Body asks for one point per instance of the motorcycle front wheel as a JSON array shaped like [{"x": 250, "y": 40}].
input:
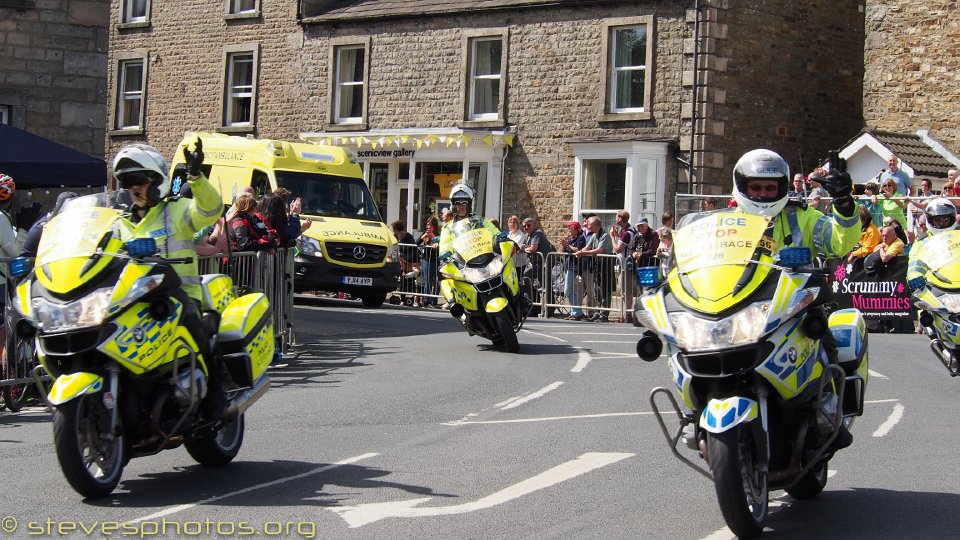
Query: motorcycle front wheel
[
  {"x": 220, "y": 449},
  {"x": 91, "y": 460},
  {"x": 507, "y": 334},
  {"x": 741, "y": 486}
]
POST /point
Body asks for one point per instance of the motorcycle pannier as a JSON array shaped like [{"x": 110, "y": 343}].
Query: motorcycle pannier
[{"x": 246, "y": 337}]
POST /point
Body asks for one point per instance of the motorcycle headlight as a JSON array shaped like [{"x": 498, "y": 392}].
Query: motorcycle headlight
[
  {"x": 309, "y": 247},
  {"x": 696, "y": 334},
  {"x": 90, "y": 310},
  {"x": 951, "y": 302},
  {"x": 479, "y": 275}
]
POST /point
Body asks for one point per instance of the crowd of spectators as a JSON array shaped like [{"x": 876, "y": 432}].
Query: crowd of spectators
[{"x": 251, "y": 224}]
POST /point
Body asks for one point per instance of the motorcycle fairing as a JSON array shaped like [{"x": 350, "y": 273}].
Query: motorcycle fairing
[
  {"x": 794, "y": 362},
  {"x": 64, "y": 260},
  {"x": 722, "y": 414},
  {"x": 67, "y": 387},
  {"x": 712, "y": 273},
  {"x": 140, "y": 341},
  {"x": 459, "y": 292},
  {"x": 22, "y": 301},
  {"x": 496, "y": 305},
  {"x": 655, "y": 305},
  {"x": 947, "y": 329},
  {"x": 682, "y": 380},
  {"x": 942, "y": 256}
]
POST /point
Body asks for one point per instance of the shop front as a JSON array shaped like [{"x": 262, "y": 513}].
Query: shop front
[{"x": 411, "y": 172}]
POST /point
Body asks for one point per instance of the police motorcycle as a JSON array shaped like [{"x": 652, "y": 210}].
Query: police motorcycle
[
  {"x": 481, "y": 283},
  {"x": 129, "y": 375},
  {"x": 768, "y": 377},
  {"x": 934, "y": 274}
]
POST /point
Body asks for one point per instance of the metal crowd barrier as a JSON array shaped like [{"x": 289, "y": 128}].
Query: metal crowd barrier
[
  {"x": 419, "y": 281},
  {"x": 600, "y": 285}
]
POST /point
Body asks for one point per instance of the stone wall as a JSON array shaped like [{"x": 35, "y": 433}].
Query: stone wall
[
  {"x": 53, "y": 70},
  {"x": 912, "y": 78}
]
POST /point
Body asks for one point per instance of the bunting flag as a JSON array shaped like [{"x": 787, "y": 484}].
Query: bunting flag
[{"x": 419, "y": 141}]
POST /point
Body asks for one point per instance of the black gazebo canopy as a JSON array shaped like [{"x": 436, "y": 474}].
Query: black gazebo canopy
[{"x": 33, "y": 161}]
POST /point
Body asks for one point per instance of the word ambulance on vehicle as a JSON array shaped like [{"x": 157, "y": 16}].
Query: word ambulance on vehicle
[{"x": 348, "y": 246}]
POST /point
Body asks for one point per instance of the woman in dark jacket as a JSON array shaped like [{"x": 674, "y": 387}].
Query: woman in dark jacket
[{"x": 249, "y": 232}]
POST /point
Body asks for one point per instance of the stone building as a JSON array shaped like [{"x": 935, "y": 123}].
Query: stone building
[
  {"x": 53, "y": 70},
  {"x": 912, "y": 75},
  {"x": 548, "y": 108}
]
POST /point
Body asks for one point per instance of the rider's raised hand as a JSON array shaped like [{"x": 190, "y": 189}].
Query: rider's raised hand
[
  {"x": 194, "y": 159},
  {"x": 838, "y": 182}
]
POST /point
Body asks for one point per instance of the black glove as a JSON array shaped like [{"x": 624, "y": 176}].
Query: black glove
[
  {"x": 195, "y": 159},
  {"x": 838, "y": 183}
]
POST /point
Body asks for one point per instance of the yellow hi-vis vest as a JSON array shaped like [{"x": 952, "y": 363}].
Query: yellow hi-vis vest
[{"x": 173, "y": 222}]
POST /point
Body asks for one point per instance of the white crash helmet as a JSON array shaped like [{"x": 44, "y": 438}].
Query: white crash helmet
[
  {"x": 138, "y": 161},
  {"x": 462, "y": 192},
  {"x": 941, "y": 216},
  {"x": 764, "y": 164}
]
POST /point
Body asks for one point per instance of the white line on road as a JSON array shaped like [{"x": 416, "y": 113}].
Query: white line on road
[
  {"x": 544, "y": 335},
  {"x": 583, "y": 358},
  {"x": 877, "y": 374},
  {"x": 357, "y": 516},
  {"x": 182, "y": 507},
  {"x": 620, "y": 354},
  {"x": 610, "y": 341},
  {"x": 831, "y": 473},
  {"x": 872, "y": 402},
  {"x": 539, "y": 393},
  {"x": 891, "y": 421},
  {"x": 464, "y": 421}
]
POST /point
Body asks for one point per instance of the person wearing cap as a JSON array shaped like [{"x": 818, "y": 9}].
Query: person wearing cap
[
  {"x": 537, "y": 248},
  {"x": 646, "y": 245},
  {"x": 817, "y": 192},
  {"x": 570, "y": 244}
]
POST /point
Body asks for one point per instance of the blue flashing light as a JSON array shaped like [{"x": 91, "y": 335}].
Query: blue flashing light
[
  {"x": 141, "y": 247},
  {"x": 20, "y": 266},
  {"x": 794, "y": 257},
  {"x": 648, "y": 276}
]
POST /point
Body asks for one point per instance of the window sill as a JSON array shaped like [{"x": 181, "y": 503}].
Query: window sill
[
  {"x": 624, "y": 117},
  {"x": 481, "y": 123},
  {"x": 126, "y": 132},
  {"x": 241, "y": 16},
  {"x": 237, "y": 129},
  {"x": 129, "y": 25},
  {"x": 358, "y": 126}
]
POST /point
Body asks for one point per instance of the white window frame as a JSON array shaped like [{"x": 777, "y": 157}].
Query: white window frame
[
  {"x": 341, "y": 85},
  {"x": 6, "y": 112},
  {"x": 231, "y": 56},
  {"x": 232, "y": 11},
  {"x": 128, "y": 19},
  {"x": 475, "y": 79},
  {"x": 610, "y": 71},
  {"x": 121, "y": 122}
]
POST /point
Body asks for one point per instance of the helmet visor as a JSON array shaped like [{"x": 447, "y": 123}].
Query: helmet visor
[
  {"x": 136, "y": 178},
  {"x": 763, "y": 190},
  {"x": 942, "y": 221}
]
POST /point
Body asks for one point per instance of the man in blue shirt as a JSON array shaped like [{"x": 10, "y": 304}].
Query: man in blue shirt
[{"x": 898, "y": 175}]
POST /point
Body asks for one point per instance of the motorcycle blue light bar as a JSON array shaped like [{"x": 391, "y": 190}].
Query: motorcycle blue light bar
[
  {"x": 648, "y": 276},
  {"x": 20, "y": 266},
  {"x": 795, "y": 256},
  {"x": 141, "y": 247}
]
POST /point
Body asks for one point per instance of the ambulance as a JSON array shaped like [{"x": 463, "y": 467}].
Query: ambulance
[{"x": 348, "y": 247}]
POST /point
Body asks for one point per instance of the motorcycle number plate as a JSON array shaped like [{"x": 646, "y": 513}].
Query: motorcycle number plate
[{"x": 353, "y": 280}]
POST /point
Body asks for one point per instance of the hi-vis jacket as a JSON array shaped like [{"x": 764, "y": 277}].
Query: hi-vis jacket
[
  {"x": 831, "y": 236},
  {"x": 447, "y": 236},
  {"x": 173, "y": 222}
]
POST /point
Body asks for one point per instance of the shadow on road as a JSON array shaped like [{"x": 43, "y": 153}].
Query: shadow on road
[{"x": 306, "y": 486}]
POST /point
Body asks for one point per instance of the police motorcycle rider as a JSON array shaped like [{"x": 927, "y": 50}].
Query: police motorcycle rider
[
  {"x": 761, "y": 180},
  {"x": 172, "y": 222},
  {"x": 941, "y": 216},
  {"x": 462, "y": 198}
]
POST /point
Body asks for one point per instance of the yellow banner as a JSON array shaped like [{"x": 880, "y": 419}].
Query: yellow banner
[{"x": 718, "y": 239}]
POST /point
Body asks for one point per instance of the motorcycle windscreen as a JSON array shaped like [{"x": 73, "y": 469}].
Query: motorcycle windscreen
[
  {"x": 941, "y": 253},
  {"x": 472, "y": 243},
  {"x": 67, "y": 254},
  {"x": 713, "y": 271}
]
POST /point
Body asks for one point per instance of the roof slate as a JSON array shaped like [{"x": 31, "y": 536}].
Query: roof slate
[
  {"x": 324, "y": 10},
  {"x": 911, "y": 149}
]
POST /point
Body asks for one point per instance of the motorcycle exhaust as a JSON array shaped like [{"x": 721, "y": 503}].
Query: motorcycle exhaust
[
  {"x": 248, "y": 397},
  {"x": 649, "y": 347}
]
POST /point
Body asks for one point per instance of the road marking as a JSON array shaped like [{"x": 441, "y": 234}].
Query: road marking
[
  {"x": 877, "y": 374},
  {"x": 831, "y": 473},
  {"x": 891, "y": 421},
  {"x": 609, "y": 341},
  {"x": 726, "y": 534},
  {"x": 464, "y": 421},
  {"x": 544, "y": 335},
  {"x": 516, "y": 402},
  {"x": 583, "y": 358},
  {"x": 619, "y": 354},
  {"x": 872, "y": 402},
  {"x": 363, "y": 514},
  {"x": 182, "y": 507}
]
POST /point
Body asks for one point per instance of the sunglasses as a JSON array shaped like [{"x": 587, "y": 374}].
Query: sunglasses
[{"x": 460, "y": 203}]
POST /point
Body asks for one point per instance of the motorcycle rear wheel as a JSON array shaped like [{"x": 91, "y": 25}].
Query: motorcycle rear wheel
[
  {"x": 742, "y": 489},
  {"x": 811, "y": 484},
  {"x": 220, "y": 449},
  {"x": 92, "y": 464},
  {"x": 15, "y": 396},
  {"x": 507, "y": 334}
]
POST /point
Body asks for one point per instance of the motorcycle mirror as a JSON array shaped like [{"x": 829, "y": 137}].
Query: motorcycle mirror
[
  {"x": 649, "y": 347},
  {"x": 141, "y": 247}
]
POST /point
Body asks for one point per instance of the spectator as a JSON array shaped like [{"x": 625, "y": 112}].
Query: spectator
[
  {"x": 273, "y": 212},
  {"x": 428, "y": 242},
  {"x": 293, "y": 215},
  {"x": 517, "y": 236},
  {"x": 900, "y": 178},
  {"x": 952, "y": 176},
  {"x": 817, "y": 192},
  {"x": 250, "y": 233},
  {"x": 665, "y": 251},
  {"x": 708, "y": 205},
  {"x": 586, "y": 266},
  {"x": 646, "y": 247},
  {"x": 571, "y": 244},
  {"x": 886, "y": 250},
  {"x": 870, "y": 202},
  {"x": 891, "y": 206},
  {"x": 869, "y": 237},
  {"x": 916, "y": 216},
  {"x": 537, "y": 243},
  {"x": 409, "y": 261},
  {"x": 799, "y": 191},
  {"x": 602, "y": 269},
  {"x": 446, "y": 215},
  {"x": 666, "y": 221},
  {"x": 623, "y": 240},
  {"x": 897, "y": 229}
]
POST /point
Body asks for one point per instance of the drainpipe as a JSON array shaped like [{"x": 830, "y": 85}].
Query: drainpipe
[{"x": 693, "y": 108}]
